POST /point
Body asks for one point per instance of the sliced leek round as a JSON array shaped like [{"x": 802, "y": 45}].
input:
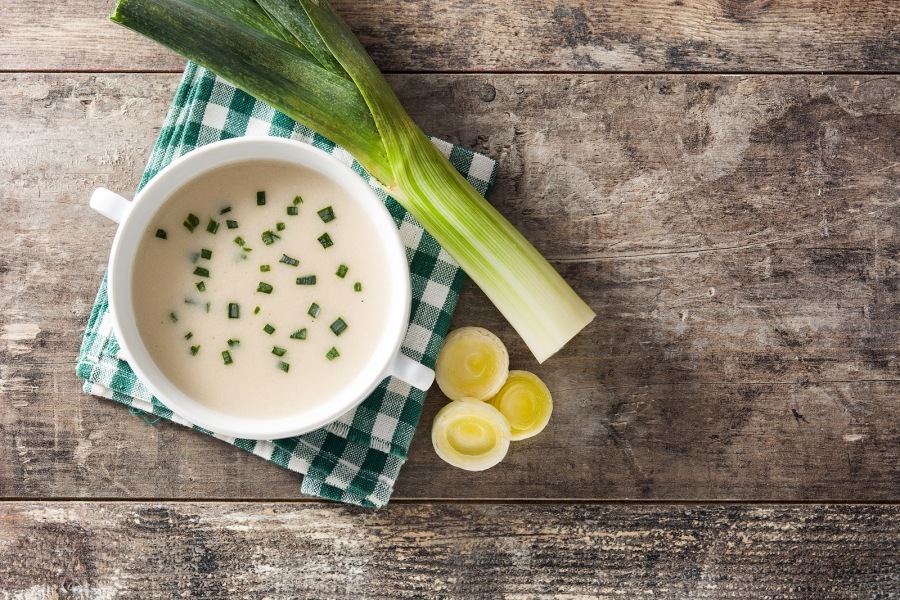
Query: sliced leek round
[
  {"x": 526, "y": 403},
  {"x": 470, "y": 434},
  {"x": 473, "y": 363}
]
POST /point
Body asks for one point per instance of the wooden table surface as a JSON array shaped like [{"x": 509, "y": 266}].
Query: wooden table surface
[{"x": 719, "y": 179}]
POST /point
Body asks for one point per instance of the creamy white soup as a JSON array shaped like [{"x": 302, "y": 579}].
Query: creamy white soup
[{"x": 258, "y": 289}]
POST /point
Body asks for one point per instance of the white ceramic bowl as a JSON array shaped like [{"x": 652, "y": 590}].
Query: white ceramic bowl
[{"x": 134, "y": 218}]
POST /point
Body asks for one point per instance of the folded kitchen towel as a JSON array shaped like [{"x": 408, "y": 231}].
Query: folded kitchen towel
[{"x": 357, "y": 458}]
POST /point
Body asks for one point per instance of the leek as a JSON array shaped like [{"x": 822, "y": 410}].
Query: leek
[
  {"x": 470, "y": 434},
  {"x": 301, "y": 58},
  {"x": 526, "y": 403},
  {"x": 473, "y": 363}
]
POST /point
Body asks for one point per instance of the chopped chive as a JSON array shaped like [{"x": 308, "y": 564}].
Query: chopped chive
[
  {"x": 357, "y": 287},
  {"x": 212, "y": 226},
  {"x": 326, "y": 214},
  {"x": 264, "y": 287},
  {"x": 283, "y": 366},
  {"x": 239, "y": 241},
  {"x": 338, "y": 326},
  {"x": 247, "y": 249},
  {"x": 289, "y": 261},
  {"x": 234, "y": 343},
  {"x": 231, "y": 224},
  {"x": 325, "y": 240},
  {"x": 208, "y": 305},
  {"x": 332, "y": 354},
  {"x": 234, "y": 310},
  {"x": 280, "y": 226},
  {"x": 244, "y": 256},
  {"x": 306, "y": 280},
  {"x": 173, "y": 317},
  {"x": 300, "y": 334},
  {"x": 226, "y": 357},
  {"x": 189, "y": 335},
  {"x": 278, "y": 351},
  {"x": 201, "y": 287},
  {"x": 342, "y": 271},
  {"x": 225, "y": 210},
  {"x": 269, "y": 238},
  {"x": 256, "y": 311},
  {"x": 204, "y": 253},
  {"x": 195, "y": 350},
  {"x": 195, "y": 256},
  {"x": 265, "y": 268},
  {"x": 191, "y": 222},
  {"x": 298, "y": 200},
  {"x": 313, "y": 310},
  {"x": 190, "y": 301},
  {"x": 260, "y": 198},
  {"x": 292, "y": 211},
  {"x": 269, "y": 329},
  {"x": 201, "y": 272},
  {"x": 161, "y": 234}
]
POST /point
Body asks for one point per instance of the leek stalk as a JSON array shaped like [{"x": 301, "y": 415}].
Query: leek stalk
[{"x": 301, "y": 58}]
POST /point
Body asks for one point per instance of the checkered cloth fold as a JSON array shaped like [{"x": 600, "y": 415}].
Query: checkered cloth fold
[{"x": 357, "y": 458}]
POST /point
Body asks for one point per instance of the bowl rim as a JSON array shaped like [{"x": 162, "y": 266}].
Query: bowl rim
[{"x": 195, "y": 164}]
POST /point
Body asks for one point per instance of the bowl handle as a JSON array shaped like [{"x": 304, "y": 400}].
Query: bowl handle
[
  {"x": 110, "y": 205},
  {"x": 414, "y": 373}
]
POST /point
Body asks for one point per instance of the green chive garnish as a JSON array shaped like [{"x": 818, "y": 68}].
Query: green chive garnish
[
  {"x": 239, "y": 241},
  {"x": 260, "y": 198},
  {"x": 264, "y": 287},
  {"x": 325, "y": 240},
  {"x": 280, "y": 226},
  {"x": 289, "y": 261},
  {"x": 338, "y": 326},
  {"x": 195, "y": 350},
  {"x": 298, "y": 200},
  {"x": 161, "y": 234},
  {"x": 313, "y": 310},
  {"x": 212, "y": 226},
  {"x": 201, "y": 287},
  {"x": 207, "y": 254},
  {"x": 234, "y": 343},
  {"x": 173, "y": 317},
  {"x": 208, "y": 304},
  {"x": 195, "y": 256},
  {"x": 278, "y": 351},
  {"x": 269, "y": 329},
  {"x": 191, "y": 222},
  {"x": 226, "y": 357},
  {"x": 332, "y": 354},
  {"x": 234, "y": 310},
  {"x": 326, "y": 214},
  {"x": 190, "y": 301},
  {"x": 292, "y": 211},
  {"x": 306, "y": 280},
  {"x": 300, "y": 334},
  {"x": 201, "y": 272},
  {"x": 357, "y": 287},
  {"x": 227, "y": 209},
  {"x": 283, "y": 366},
  {"x": 265, "y": 268},
  {"x": 231, "y": 224},
  {"x": 256, "y": 311},
  {"x": 269, "y": 238},
  {"x": 189, "y": 335},
  {"x": 342, "y": 271}
]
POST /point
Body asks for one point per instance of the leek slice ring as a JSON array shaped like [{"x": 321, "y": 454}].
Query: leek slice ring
[
  {"x": 473, "y": 363},
  {"x": 526, "y": 404},
  {"x": 470, "y": 434}
]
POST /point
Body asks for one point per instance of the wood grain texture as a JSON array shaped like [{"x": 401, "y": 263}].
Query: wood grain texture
[
  {"x": 516, "y": 35},
  {"x": 737, "y": 237},
  {"x": 469, "y": 551}
]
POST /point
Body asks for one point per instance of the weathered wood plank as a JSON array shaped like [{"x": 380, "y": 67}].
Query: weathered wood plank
[
  {"x": 516, "y": 35},
  {"x": 218, "y": 550},
  {"x": 736, "y": 235}
]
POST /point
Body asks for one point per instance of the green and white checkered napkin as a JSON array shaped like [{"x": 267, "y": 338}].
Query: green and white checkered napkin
[{"x": 357, "y": 458}]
